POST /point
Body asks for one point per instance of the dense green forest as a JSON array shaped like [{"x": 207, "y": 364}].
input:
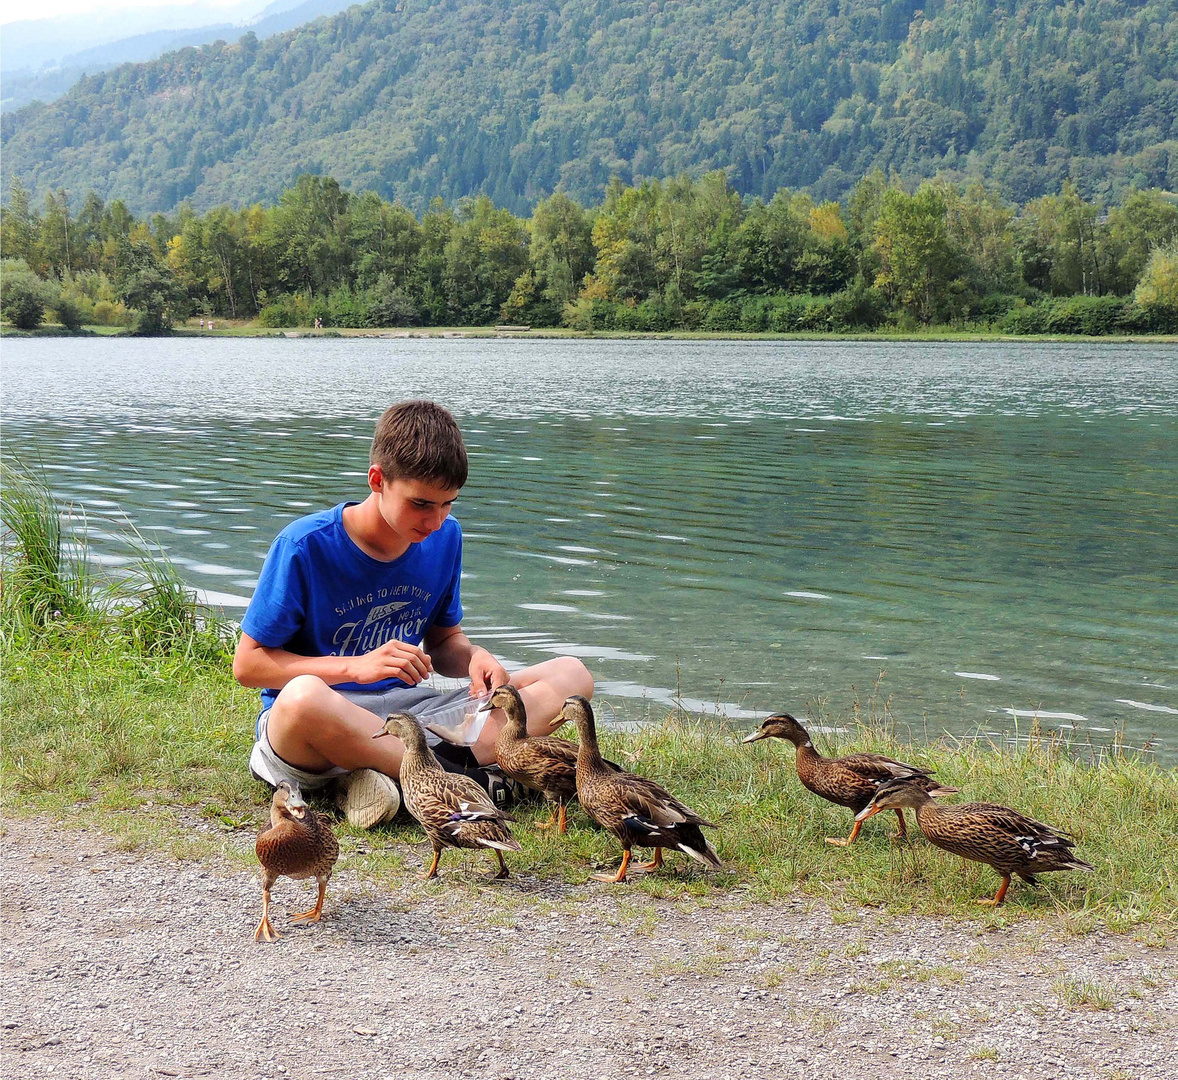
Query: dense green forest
[
  {"x": 516, "y": 99},
  {"x": 677, "y": 254}
]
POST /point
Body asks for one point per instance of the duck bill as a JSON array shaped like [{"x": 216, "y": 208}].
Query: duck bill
[
  {"x": 754, "y": 737},
  {"x": 863, "y": 815},
  {"x": 380, "y": 734},
  {"x": 942, "y": 792}
]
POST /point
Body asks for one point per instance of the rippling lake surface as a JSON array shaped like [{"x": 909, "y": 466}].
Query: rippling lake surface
[{"x": 739, "y": 527}]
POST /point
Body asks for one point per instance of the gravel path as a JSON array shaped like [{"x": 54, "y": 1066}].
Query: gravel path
[{"x": 119, "y": 964}]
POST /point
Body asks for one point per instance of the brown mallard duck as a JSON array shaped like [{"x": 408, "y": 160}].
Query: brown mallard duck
[
  {"x": 1010, "y": 842},
  {"x": 452, "y": 808},
  {"x": 849, "y": 781},
  {"x": 298, "y": 844},
  {"x": 637, "y": 811},
  {"x": 543, "y": 763}
]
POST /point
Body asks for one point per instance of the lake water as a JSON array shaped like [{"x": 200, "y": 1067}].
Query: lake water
[{"x": 738, "y": 527}]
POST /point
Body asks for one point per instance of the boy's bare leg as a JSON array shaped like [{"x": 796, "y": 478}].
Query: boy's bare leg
[
  {"x": 544, "y": 688},
  {"x": 313, "y": 728}
]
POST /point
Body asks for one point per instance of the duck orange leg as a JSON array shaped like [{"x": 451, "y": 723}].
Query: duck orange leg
[
  {"x": 902, "y": 831},
  {"x": 563, "y": 826},
  {"x": 620, "y": 876},
  {"x": 265, "y": 927},
  {"x": 839, "y": 841},
  {"x": 503, "y": 871},
  {"x": 316, "y": 911},
  {"x": 1000, "y": 895},
  {"x": 552, "y": 821},
  {"x": 432, "y": 872},
  {"x": 654, "y": 864}
]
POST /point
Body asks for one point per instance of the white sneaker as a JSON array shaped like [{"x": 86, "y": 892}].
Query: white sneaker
[{"x": 368, "y": 798}]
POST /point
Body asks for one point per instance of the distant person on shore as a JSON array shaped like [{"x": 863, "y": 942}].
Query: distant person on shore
[{"x": 356, "y": 607}]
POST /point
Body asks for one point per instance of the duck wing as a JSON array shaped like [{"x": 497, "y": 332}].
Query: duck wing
[
  {"x": 879, "y": 767},
  {"x": 464, "y": 815},
  {"x": 1002, "y": 837}
]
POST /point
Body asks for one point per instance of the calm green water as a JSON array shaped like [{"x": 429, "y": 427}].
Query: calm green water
[{"x": 737, "y": 526}]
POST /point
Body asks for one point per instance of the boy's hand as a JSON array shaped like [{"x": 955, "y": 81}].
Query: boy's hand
[
  {"x": 486, "y": 673},
  {"x": 393, "y": 660}
]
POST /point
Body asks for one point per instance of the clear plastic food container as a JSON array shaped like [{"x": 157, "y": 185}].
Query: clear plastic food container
[{"x": 461, "y": 723}]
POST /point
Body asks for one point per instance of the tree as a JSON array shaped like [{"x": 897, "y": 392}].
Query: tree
[
  {"x": 20, "y": 228},
  {"x": 23, "y": 295},
  {"x": 1145, "y": 220},
  {"x": 562, "y": 251},
  {"x": 146, "y": 284},
  {"x": 1159, "y": 279},
  {"x": 486, "y": 253},
  {"x": 919, "y": 266}
]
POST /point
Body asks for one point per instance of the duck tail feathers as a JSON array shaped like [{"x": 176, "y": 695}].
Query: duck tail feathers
[{"x": 499, "y": 845}]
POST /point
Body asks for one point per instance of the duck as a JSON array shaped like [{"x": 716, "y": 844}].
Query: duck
[
  {"x": 998, "y": 836},
  {"x": 453, "y": 809},
  {"x": 299, "y": 844},
  {"x": 849, "y": 781},
  {"x": 542, "y": 763},
  {"x": 637, "y": 811}
]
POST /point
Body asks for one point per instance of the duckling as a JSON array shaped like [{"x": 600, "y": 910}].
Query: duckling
[
  {"x": 849, "y": 781},
  {"x": 298, "y": 844},
  {"x": 1010, "y": 842},
  {"x": 636, "y": 810},
  {"x": 452, "y": 808}
]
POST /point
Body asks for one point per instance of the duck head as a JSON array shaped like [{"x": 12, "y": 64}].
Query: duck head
[
  {"x": 508, "y": 699},
  {"x": 406, "y": 728},
  {"x": 896, "y": 795},
  {"x": 577, "y": 711},
  {"x": 288, "y": 802},
  {"x": 780, "y": 726}
]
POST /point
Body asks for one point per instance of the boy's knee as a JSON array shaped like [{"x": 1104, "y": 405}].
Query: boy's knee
[
  {"x": 302, "y": 695},
  {"x": 575, "y": 676}
]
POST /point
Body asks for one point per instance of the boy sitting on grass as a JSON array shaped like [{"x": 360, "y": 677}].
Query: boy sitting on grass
[{"x": 356, "y": 606}]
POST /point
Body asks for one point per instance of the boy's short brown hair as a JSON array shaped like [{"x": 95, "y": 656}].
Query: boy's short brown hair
[{"x": 420, "y": 440}]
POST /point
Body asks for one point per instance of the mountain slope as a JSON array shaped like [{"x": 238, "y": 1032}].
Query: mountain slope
[
  {"x": 515, "y": 97},
  {"x": 24, "y": 86}
]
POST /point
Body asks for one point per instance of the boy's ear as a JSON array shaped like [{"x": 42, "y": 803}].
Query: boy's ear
[{"x": 375, "y": 478}]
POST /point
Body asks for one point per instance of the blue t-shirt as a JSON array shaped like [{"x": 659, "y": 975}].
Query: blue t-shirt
[{"x": 320, "y": 595}]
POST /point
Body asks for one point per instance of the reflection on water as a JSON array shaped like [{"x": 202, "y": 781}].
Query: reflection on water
[{"x": 739, "y": 527}]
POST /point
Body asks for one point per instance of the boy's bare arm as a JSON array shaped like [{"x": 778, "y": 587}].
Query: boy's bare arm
[
  {"x": 455, "y": 656},
  {"x": 261, "y": 666}
]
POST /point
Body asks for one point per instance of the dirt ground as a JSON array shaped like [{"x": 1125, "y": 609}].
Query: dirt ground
[{"x": 118, "y": 964}]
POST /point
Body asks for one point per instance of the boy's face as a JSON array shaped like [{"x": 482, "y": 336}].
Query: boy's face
[{"x": 411, "y": 508}]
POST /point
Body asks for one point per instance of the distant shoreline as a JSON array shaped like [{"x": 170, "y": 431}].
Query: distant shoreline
[{"x": 560, "y": 333}]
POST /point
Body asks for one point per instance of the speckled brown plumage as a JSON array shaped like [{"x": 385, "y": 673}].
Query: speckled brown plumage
[
  {"x": 636, "y": 810},
  {"x": 850, "y": 781},
  {"x": 452, "y": 808},
  {"x": 299, "y": 844},
  {"x": 542, "y": 763},
  {"x": 1010, "y": 842}
]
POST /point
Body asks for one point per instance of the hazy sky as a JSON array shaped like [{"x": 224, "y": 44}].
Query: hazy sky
[{"x": 13, "y": 10}]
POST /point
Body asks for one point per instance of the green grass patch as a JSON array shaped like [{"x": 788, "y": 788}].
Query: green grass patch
[{"x": 141, "y": 743}]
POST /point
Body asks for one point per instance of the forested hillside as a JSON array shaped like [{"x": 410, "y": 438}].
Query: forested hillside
[{"x": 515, "y": 98}]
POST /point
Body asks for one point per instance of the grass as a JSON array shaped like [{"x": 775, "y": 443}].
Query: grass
[
  {"x": 1084, "y": 994},
  {"x": 125, "y": 716}
]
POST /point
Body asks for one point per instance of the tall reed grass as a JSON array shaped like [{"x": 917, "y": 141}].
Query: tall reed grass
[{"x": 48, "y": 588}]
